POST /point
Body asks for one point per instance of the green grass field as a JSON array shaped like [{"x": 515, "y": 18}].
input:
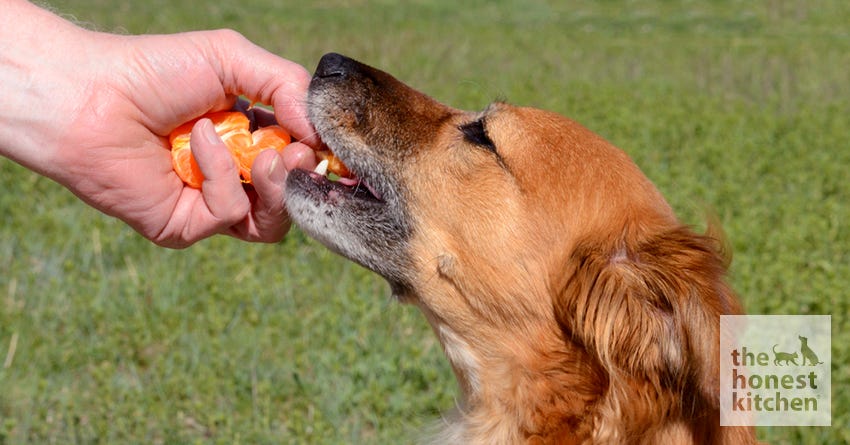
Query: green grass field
[{"x": 740, "y": 107}]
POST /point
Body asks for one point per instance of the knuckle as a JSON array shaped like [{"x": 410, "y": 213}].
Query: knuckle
[{"x": 229, "y": 36}]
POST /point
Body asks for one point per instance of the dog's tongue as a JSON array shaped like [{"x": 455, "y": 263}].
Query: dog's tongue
[{"x": 349, "y": 181}]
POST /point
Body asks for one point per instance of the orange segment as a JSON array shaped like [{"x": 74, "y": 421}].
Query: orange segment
[
  {"x": 234, "y": 129},
  {"x": 271, "y": 137},
  {"x": 186, "y": 167},
  {"x": 231, "y": 126},
  {"x": 335, "y": 165}
]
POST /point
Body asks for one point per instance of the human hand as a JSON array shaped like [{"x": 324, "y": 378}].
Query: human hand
[{"x": 111, "y": 102}]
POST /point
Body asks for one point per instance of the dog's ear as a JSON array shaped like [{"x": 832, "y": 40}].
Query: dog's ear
[{"x": 649, "y": 309}]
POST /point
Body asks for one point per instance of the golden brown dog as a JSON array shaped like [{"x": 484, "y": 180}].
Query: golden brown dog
[{"x": 573, "y": 306}]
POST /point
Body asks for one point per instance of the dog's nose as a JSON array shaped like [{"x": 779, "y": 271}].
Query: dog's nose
[{"x": 334, "y": 65}]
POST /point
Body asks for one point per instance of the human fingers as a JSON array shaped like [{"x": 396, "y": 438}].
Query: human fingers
[
  {"x": 245, "y": 68},
  {"x": 222, "y": 190},
  {"x": 268, "y": 220},
  {"x": 299, "y": 155}
]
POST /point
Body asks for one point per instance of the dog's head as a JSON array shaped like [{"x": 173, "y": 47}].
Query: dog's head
[
  {"x": 504, "y": 191},
  {"x": 524, "y": 237}
]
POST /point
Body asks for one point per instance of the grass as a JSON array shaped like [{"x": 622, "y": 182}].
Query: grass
[{"x": 735, "y": 106}]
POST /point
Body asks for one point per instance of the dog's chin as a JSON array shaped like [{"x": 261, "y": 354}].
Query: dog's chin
[
  {"x": 363, "y": 222},
  {"x": 363, "y": 218}
]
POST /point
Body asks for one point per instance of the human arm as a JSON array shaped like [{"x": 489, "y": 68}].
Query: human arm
[{"x": 92, "y": 111}]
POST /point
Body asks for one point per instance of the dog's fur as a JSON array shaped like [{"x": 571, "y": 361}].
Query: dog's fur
[{"x": 573, "y": 306}]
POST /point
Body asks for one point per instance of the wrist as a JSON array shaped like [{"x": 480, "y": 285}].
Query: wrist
[{"x": 39, "y": 55}]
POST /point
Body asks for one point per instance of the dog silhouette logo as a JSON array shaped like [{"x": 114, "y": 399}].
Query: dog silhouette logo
[{"x": 808, "y": 355}]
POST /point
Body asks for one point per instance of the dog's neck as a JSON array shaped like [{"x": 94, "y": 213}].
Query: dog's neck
[{"x": 517, "y": 378}]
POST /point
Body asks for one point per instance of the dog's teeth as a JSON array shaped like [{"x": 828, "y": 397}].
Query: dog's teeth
[{"x": 322, "y": 168}]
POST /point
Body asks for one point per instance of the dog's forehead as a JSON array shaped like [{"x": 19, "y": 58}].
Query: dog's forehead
[
  {"x": 533, "y": 144},
  {"x": 524, "y": 131}
]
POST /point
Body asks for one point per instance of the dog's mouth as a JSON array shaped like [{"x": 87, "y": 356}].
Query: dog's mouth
[
  {"x": 367, "y": 186},
  {"x": 361, "y": 216},
  {"x": 334, "y": 188},
  {"x": 357, "y": 199}
]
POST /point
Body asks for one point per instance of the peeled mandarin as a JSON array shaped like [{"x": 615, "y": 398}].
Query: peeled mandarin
[
  {"x": 272, "y": 137},
  {"x": 186, "y": 167},
  {"x": 234, "y": 129}
]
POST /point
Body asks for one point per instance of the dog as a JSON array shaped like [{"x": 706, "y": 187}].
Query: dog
[
  {"x": 808, "y": 354},
  {"x": 573, "y": 306},
  {"x": 786, "y": 357}
]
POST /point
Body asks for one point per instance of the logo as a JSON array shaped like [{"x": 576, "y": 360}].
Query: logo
[{"x": 775, "y": 370}]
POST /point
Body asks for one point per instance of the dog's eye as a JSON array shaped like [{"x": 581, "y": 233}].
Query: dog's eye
[{"x": 476, "y": 133}]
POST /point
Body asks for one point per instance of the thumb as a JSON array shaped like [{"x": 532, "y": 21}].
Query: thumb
[{"x": 222, "y": 190}]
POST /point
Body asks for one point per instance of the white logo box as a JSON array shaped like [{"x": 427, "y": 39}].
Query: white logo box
[{"x": 775, "y": 370}]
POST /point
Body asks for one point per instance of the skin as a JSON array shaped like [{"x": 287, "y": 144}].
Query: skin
[{"x": 92, "y": 111}]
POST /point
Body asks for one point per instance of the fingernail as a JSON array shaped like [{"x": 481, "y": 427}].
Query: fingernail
[
  {"x": 208, "y": 131},
  {"x": 277, "y": 173}
]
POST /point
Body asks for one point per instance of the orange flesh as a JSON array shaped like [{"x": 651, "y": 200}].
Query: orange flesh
[
  {"x": 272, "y": 137},
  {"x": 234, "y": 129},
  {"x": 186, "y": 168},
  {"x": 335, "y": 166}
]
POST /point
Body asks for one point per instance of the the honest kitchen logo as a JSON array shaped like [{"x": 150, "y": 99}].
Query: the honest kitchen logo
[
  {"x": 745, "y": 381},
  {"x": 775, "y": 370}
]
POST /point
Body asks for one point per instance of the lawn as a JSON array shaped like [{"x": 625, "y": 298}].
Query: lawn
[{"x": 737, "y": 108}]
